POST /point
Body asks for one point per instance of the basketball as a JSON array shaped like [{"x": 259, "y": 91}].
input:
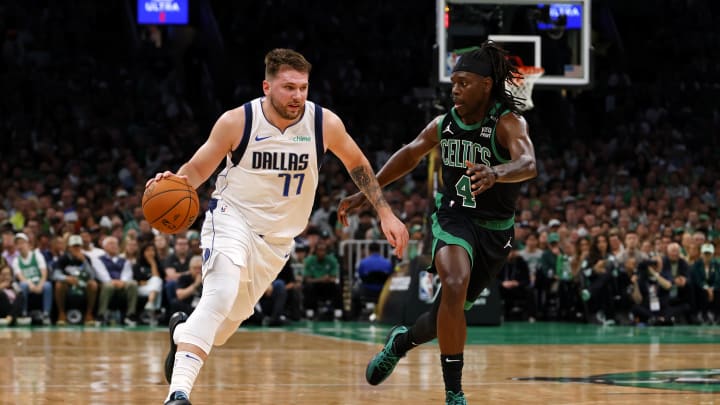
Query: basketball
[{"x": 170, "y": 205}]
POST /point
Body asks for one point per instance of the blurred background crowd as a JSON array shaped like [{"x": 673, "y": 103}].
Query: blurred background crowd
[{"x": 622, "y": 225}]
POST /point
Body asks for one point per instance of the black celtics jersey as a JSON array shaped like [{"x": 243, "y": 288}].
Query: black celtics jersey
[{"x": 460, "y": 142}]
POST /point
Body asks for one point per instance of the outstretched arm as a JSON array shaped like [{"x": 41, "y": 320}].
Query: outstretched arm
[
  {"x": 410, "y": 155},
  {"x": 399, "y": 164},
  {"x": 339, "y": 142}
]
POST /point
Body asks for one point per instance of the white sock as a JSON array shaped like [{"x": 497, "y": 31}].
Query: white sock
[{"x": 187, "y": 366}]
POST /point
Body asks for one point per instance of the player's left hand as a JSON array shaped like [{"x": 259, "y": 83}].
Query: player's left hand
[
  {"x": 396, "y": 233},
  {"x": 481, "y": 177}
]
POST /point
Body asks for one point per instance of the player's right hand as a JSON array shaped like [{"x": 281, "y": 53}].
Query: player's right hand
[
  {"x": 164, "y": 175},
  {"x": 349, "y": 205}
]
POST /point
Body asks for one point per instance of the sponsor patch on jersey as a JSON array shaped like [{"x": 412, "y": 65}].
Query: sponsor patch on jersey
[{"x": 302, "y": 138}]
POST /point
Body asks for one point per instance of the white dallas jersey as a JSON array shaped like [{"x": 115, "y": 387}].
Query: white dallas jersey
[{"x": 272, "y": 176}]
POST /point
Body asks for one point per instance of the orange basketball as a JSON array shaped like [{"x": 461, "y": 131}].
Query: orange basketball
[{"x": 170, "y": 205}]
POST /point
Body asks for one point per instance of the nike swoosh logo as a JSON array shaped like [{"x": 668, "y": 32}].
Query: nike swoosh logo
[
  {"x": 258, "y": 138},
  {"x": 191, "y": 357},
  {"x": 451, "y": 361}
]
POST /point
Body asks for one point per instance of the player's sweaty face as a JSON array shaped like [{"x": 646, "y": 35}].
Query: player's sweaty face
[
  {"x": 288, "y": 92},
  {"x": 468, "y": 91}
]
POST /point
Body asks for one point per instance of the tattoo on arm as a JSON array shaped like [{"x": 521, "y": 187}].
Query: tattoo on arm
[{"x": 367, "y": 183}]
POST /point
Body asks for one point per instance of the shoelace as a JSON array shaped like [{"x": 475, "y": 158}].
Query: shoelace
[
  {"x": 387, "y": 360},
  {"x": 455, "y": 399}
]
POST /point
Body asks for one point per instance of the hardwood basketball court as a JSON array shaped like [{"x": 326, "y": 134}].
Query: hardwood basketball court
[{"x": 324, "y": 363}]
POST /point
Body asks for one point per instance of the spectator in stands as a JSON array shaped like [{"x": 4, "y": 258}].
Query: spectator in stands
[
  {"x": 163, "y": 249},
  {"x": 146, "y": 272},
  {"x": 556, "y": 283},
  {"x": 189, "y": 288},
  {"x": 272, "y": 304},
  {"x": 116, "y": 277},
  {"x": 531, "y": 254},
  {"x": 653, "y": 293},
  {"x": 57, "y": 249},
  {"x": 372, "y": 272},
  {"x": 616, "y": 247},
  {"x": 416, "y": 246},
  {"x": 682, "y": 294},
  {"x": 11, "y": 297},
  {"x": 32, "y": 273},
  {"x": 625, "y": 286},
  {"x": 361, "y": 225},
  {"x": 693, "y": 253},
  {"x": 9, "y": 251},
  {"x": 89, "y": 245},
  {"x": 325, "y": 216},
  {"x": 74, "y": 273},
  {"x": 515, "y": 289},
  {"x": 597, "y": 278},
  {"x": 176, "y": 264},
  {"x": 130, "y": 250},
  {"x": 632, "y": 248},
  {"x": 293, "y": 287},
  {"x": 705, "y": 279},
  {"x": 194, "y": 243},
  {"x": 321, "y": 281}
]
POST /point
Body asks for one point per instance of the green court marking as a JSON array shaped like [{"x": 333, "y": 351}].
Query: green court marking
[
  {"x": 510, "y": 333},
  {"x": 541, "y": 333},
  {"x": 702, "y": 380}
]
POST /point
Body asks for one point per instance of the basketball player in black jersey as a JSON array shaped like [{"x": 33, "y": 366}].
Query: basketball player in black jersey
[{"x": 486, "y": 155}]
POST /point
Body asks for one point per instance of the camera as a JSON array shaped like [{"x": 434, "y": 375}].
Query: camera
[{"x": 648, "y": 263}]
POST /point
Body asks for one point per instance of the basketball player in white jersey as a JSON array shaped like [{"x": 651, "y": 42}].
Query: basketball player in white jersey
[{"x": 263, "y": 198}]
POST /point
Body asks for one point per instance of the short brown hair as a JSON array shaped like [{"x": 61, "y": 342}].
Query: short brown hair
[{"x": 276, "y": 58}]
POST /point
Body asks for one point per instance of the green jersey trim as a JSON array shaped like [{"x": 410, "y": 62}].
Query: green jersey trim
[
  {"x": 463, "y": 125},
  {"x": 492, "y": 141},
  {"x": 441, "y": 234},
  {"x": 439, "y": 127},
  {"x": 496, "y": 224}
]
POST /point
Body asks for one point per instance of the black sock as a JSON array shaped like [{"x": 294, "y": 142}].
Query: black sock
[
  {"x": 452, "y": 365},
  {"x": 423, "y": 331},
  {"x": 405, "y": 342}
]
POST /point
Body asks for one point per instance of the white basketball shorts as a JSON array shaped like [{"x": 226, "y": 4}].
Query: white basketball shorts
[{"x": 260, "y": 258}]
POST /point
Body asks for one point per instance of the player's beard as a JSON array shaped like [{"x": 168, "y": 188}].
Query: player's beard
[{"x": 283, "y": 111}]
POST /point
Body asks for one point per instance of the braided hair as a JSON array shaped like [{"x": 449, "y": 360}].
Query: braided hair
[{"x": 503, "y": 74}]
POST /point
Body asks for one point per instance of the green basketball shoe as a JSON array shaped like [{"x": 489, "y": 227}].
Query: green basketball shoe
[
  {"x": 452, "y": 398},
  {"x": 382, "y": 364}
]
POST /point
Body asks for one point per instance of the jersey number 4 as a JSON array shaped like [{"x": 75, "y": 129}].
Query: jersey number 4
[
  {"x": 288, "y": 177},
  {"x": 463, "y": 189}
]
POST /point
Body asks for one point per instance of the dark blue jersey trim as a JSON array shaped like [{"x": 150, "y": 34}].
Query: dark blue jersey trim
[
  {"x": 240, "y": 151},
  {"x": 319, "y": 142}
]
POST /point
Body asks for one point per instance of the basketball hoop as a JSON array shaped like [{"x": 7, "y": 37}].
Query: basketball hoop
[{"x": 523, "y": 85}]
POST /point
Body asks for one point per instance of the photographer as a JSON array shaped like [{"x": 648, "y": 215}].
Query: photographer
[
  {"x": 627, "y": 293},
  {"x": 652, "y": 294}
]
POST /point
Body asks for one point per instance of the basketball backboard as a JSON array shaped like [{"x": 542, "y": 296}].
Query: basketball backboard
[{"x": 554, "y": 35}]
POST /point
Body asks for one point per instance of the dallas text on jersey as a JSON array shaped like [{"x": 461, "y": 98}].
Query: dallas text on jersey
[{"x": 280, "y": 161}]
